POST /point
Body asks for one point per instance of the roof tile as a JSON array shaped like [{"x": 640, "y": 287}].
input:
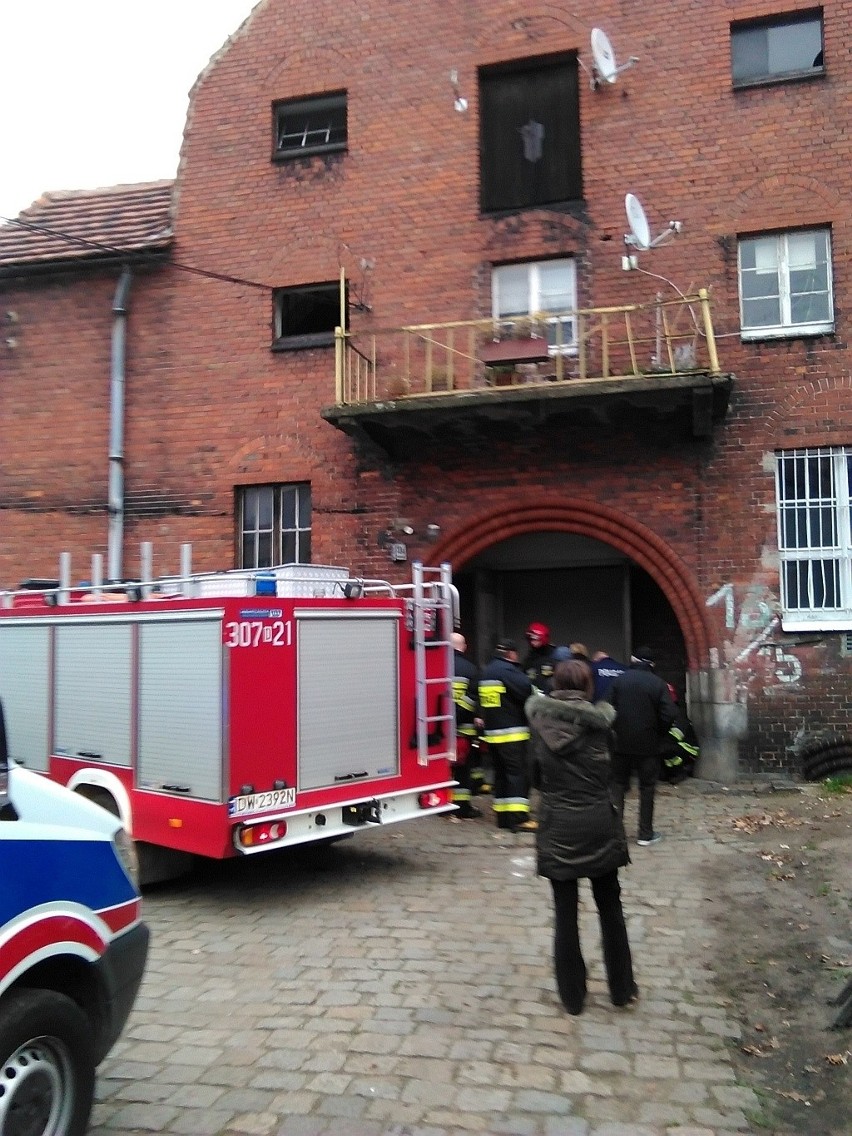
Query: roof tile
[{"x": 89, "y": 223}]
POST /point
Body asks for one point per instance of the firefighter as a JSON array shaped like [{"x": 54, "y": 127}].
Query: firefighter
[
  {"x": 465, "y": 696},
  {"x": 503, "y": 690},
  {"x": 542, "y": 656}
]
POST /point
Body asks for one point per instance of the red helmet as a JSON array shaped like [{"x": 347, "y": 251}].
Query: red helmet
[{"x": 540, "y": 631}]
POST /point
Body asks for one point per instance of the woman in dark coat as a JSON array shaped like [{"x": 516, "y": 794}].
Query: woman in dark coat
[{"x": 580, "y": 834}]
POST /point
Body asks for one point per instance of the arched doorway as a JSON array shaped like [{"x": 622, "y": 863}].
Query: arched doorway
[
  {"x": 653, "y": 579},
  {"x": 630, "y": 539}
]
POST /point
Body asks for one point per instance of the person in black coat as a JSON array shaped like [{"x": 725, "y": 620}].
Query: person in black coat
[
  {"x": 645, "y": 713},
  {"x": 580, "y": 834}
]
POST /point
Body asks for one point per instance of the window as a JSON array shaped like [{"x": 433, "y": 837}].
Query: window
[
  {"x": 274, "y": 525},
  {"x": 814, "y": 497},
  {"x": 306, "y": 316},
  {"x": 530, "y": 134},
  {"x": 538, "y": 288},
  {"x": 785, "y": 284},
  {"x": 315, "y": 125},
  {"x": 783, "y": 47}
]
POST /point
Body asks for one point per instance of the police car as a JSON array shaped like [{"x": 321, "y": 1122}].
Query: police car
[{"x": 72, "y": 949}]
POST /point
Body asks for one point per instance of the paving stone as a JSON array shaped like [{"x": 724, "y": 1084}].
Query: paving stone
[{"x": 393, "y": 997}]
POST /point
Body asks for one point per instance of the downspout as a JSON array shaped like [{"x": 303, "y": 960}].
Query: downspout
[{"x": 118, "y": 359}]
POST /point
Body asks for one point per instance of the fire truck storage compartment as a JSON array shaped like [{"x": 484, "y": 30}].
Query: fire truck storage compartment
[
  {"x": 25, "y": 687},
  {"x": 93, "y": 697},
  {"x": 348, "y": 697},
  {"x": 181, "y": 707}
]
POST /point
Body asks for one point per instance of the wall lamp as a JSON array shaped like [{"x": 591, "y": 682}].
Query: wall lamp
[{"x": 401, "y": 532}]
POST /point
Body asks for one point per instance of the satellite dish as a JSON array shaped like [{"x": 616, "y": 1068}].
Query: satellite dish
[
  {"x": 606, "y": 69},
  {"x": 640, "y": 230},
  {"x": 604, "y": 56}
]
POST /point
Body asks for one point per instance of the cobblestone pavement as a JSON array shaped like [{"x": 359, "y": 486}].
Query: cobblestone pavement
[{"x": 400, "y": 984}]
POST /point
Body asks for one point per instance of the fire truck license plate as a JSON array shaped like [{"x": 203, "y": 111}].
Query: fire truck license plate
[{"x": 262, "y": 802}]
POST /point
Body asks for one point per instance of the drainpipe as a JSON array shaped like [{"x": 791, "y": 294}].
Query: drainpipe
[{"x": 118, "y": 358}]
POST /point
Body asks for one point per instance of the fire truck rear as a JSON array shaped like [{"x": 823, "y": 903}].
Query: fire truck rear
[{"x": 230, "y": 713}]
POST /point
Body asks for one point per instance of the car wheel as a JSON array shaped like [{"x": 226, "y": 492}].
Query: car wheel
[{"x": 47, "y": 1066}]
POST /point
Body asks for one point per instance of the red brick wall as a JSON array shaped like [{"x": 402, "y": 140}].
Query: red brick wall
[{"x": 210, "y": 407}]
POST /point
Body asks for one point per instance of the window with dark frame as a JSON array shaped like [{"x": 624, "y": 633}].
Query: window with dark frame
[
  {"x": 313, "y": 125},
  {"x": 530, "y": 134},
  {"x": 306, "y": 315},
  {"x": 274, "y": 524},
  {"x": 777, "y": 48}
]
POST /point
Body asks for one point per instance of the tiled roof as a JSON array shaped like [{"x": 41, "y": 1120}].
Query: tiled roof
[{"x": 89, "y": 223}]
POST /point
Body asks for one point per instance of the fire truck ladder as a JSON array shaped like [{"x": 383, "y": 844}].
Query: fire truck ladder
[{"x": 434, "y": 605}]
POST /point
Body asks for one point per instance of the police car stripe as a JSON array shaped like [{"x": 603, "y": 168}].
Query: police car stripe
[{"x": 48, "y": 871}]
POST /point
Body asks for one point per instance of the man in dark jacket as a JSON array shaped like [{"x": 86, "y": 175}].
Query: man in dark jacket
[
  {"x": 644, "y": 714},
  {"x": 503, "y": 690}
]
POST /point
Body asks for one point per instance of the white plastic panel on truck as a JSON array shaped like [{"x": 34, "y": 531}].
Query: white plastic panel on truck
[
  {"x": 25, "y": 684},
  {"x": 348, "y": 698},
  {"x": 92, "y": 696},
  {"x": 180, "y": 707}
]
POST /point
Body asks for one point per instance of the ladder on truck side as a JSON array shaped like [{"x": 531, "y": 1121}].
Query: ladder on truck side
[{"x": 434, "y": 604}]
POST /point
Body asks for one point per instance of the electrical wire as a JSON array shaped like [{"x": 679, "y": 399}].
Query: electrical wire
[{"x": 84, "y": 242}]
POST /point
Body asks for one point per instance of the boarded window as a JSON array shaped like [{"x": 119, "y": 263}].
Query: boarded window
[{"x": 530, "y": 134}]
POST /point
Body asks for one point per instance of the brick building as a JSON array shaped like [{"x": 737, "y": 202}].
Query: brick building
[{"x": 635, "y": 441}]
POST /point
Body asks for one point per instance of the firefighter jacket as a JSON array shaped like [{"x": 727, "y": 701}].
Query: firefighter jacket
[
  {"x": 580, "y": 831},
  {"x": 538, "y": 666},
  {"x": 503, "y": 690},
  {"x": 465, "y": 695}
]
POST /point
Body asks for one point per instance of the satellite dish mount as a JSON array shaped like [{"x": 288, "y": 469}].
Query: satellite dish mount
[
  {"x": 639, "y": 236},
  {"x": 605, "y": 68}
]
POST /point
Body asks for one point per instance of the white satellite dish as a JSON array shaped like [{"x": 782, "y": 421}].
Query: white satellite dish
[
  {"x": 607, "y": 69},
  {"x": 640, "y": 231}
]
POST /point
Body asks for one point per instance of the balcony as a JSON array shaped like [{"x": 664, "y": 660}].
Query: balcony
[{"x": 650, "y": 366}]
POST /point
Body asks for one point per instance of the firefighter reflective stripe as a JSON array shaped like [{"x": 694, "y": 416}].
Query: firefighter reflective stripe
[
  {"x": 467, "y": 730},
  {"x": 461, "y": 695},
  {"x": 491, "y": 693},
  {"x": 461, "y": 796},
  {"x": 512, "y": 805},
  {"x": 508, "y": 734},
  {"x": 683, "y": 745}
]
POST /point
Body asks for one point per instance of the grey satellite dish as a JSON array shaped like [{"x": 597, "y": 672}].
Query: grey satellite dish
[
  {"x": 640, "y": 231},
  {"x": 606, "y": 69}
]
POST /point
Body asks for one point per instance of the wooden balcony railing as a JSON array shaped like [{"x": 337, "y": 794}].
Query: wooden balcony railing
[{"x": 664, "y": 337}]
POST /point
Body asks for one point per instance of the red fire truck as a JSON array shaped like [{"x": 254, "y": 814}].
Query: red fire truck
[{"x": 220, "y": 714}]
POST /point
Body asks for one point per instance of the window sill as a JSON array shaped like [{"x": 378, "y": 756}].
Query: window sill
[
  {"x": 303, "y": 342},
  {"x": 817, "y": 621},
  {"x": 771, "y": 335},
  {"x": 281, "y": 156},
  {"x": 774, "y": 80}
]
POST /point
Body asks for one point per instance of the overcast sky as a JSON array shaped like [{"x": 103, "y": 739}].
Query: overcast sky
[{"x": 94, "y": 92}]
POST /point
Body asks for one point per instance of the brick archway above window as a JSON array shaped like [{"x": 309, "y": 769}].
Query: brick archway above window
[{"x": 599, "y": 522}]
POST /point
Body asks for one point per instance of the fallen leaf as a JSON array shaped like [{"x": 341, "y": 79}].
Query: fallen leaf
[
  {"x": 836, "y": 1058},
  {"x": 792, "y": 1095}
]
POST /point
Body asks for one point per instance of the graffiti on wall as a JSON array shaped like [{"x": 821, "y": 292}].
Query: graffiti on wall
[{"x": 752, "y": 618}]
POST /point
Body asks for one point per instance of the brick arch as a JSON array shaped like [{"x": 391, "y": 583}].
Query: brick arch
[
  {"x": 815, "y": 410},
  {"x": 609, "y": 526}
]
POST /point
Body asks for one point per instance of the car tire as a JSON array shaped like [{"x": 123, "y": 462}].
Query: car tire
[{"x": 47, "y": 1065}]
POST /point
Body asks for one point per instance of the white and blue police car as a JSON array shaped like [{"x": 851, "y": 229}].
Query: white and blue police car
[{"x": 72, "y": 949}]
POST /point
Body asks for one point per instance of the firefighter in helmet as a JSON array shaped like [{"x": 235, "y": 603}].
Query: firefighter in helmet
[{"x": 542, "y": 656}]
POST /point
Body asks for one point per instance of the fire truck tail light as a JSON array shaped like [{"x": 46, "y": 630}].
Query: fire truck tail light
[
  {"x": 432, "y": 800},
  {"x": 252, "y": 835}
]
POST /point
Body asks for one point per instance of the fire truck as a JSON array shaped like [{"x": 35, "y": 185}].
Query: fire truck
[{"x": 230, "y": 713}]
